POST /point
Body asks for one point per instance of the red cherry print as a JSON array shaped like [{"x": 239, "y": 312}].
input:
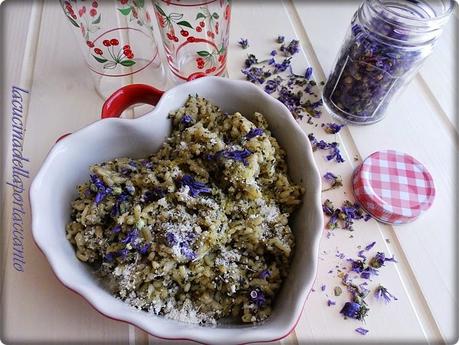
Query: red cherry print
[
  {"x": 198, "y": 29},
  {"x": 169, "y": 36},
  {"x": 176, "y": 39},
  {"x": 127, "y": 52},
  {"x": 114, "y": 42},
  {"x": 97, "y": 51},
  {"x": 227, "y": 12},
  {"x": 93, "y": 12},
  {"x": 184, "y": 33},
  {"x": 74, "y": 16},
  {"x": 190, "y": 39},
  {"x": 90, "y": 44},
  {"x": 130, "y": 56},
  {"x": 208, "y": 71},
  {"x": 213, "y": 69},
  {"x": 220, "y": 58},
  {"x": 106, "y": 43},
  {"x": 95, "y": 4},
  {"x": 82, "y": 11},
  {"x": 127, "y": 47},
  {"x": 123, "y": 2},
  {"x": 202, "y": 24}
]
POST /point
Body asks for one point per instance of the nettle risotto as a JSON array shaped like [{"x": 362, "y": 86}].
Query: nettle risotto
[{"x": 197, "y": 232}]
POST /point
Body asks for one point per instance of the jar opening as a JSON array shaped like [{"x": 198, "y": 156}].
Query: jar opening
[{"x": 418, "y": 10}]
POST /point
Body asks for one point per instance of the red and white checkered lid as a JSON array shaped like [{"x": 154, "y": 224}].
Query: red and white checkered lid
[{"x": 393, "y": 187}]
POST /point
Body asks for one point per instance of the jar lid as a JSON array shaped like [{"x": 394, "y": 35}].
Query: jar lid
[{"x": 393, "y": 187}]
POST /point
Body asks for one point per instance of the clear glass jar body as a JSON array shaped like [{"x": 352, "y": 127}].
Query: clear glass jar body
[{"x": 387, "y": 42}]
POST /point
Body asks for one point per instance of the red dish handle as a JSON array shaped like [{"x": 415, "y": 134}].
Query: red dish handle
[{"x": 129, "y": 95}]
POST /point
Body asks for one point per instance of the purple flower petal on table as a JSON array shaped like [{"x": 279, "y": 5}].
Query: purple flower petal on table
[
  {"x": 381, "y": 293},
  {"x": 143, "y": 249},
  {"x": 291, "y": 49},
  {"x": 280, "y": 39},
  {"x": 323, "y": 287},
  {"x": 360, "y": 254},
  {"x": 369, "y": 246},
  {"x": 332, "y": 128},
  {"x": 251, "y": 60},
  {"x": 308, "y": 73},
  {"x": 330, "y": 302},
  {"x": 361, "y": 330},
  {"x": 243, "y": 43},
  {"x": 273, "y": 53},
  {"x": 351, "y": 309}
]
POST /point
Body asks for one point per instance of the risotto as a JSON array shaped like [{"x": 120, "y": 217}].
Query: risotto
[{"x": 197, "y": 232}]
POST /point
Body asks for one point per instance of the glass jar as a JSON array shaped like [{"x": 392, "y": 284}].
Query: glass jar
[{"x": 387, "y": 42}]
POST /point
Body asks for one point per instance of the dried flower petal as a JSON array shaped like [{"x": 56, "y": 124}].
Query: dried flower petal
[
  {"x": 361, "y": 330},
  {"x": 332, "y": 128},
  {"x": 196, "y": 187},
  {"x": 280, "y": 39},
  {"x": 244, "y": 43},
  {"x": 381, "y": 293}
]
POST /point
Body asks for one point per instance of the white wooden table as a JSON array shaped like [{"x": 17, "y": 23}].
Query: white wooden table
[{"x": 40, "y": 55}]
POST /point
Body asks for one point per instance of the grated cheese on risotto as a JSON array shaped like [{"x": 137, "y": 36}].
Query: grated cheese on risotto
[{"x": 197, "y": 232}]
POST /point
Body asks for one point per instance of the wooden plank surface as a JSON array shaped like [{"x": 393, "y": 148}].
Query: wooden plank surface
[
  {"x": 415, "y": 124},
  {"x": 62, "y": 100}
]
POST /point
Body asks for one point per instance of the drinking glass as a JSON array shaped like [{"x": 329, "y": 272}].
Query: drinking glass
[
  {"x": 117, "y": 41},
  {"x": 195, "y": 36}
]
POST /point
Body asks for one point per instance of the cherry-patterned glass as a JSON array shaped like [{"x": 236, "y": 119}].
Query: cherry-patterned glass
[
  {"x": 195, "y": 36},
  {"x": 117, "y": 41}
]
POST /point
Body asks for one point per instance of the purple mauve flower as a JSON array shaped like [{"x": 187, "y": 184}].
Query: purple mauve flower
[
  {"x": 171, "y": 240},
  {"x": 308, "y": 73},
  {"x": 153, "y": 195},
  {"x": 186, "y": 120},
  {"x": 382, "y": 293},
  {"x": 330, "y": 302},
  {"x": 187, "y": 252},
  {"x": 116, "y": 209},
  {"x": 351, "y": 309},
  {"x": 361, "y": 330},
  {"x": 251, "y": 60},
  {"x": 273, "y": 52},
  {"x": 254, "y": 132},
  {"x": 102, "y": 190},
  {"x": 291, "y": 49},
  {"x": 131, "y": 236},
  {"x": 323, "y": 287},
  {"x": 237, "y": 155},
  {"x": 360, "y": 254},
  {"x": 116, "y": 229},
  {"x": 265, "y": 274},
  {"x": 271, "y": 86},
  {"x": 330, "y": 177},
  {"x": 147, "y": 163},
  {"x": 143, "y": 249},
  {"x": 369, "y": 246},
  {"x": 258, "y": 297},
  {"x": 357, "y": 265},
  {"x": 280, "y": 39},
  {"x": 196, "y": 187},
  {"x": 332, "y": 128},
  {"x": 244, "y": 43}
]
